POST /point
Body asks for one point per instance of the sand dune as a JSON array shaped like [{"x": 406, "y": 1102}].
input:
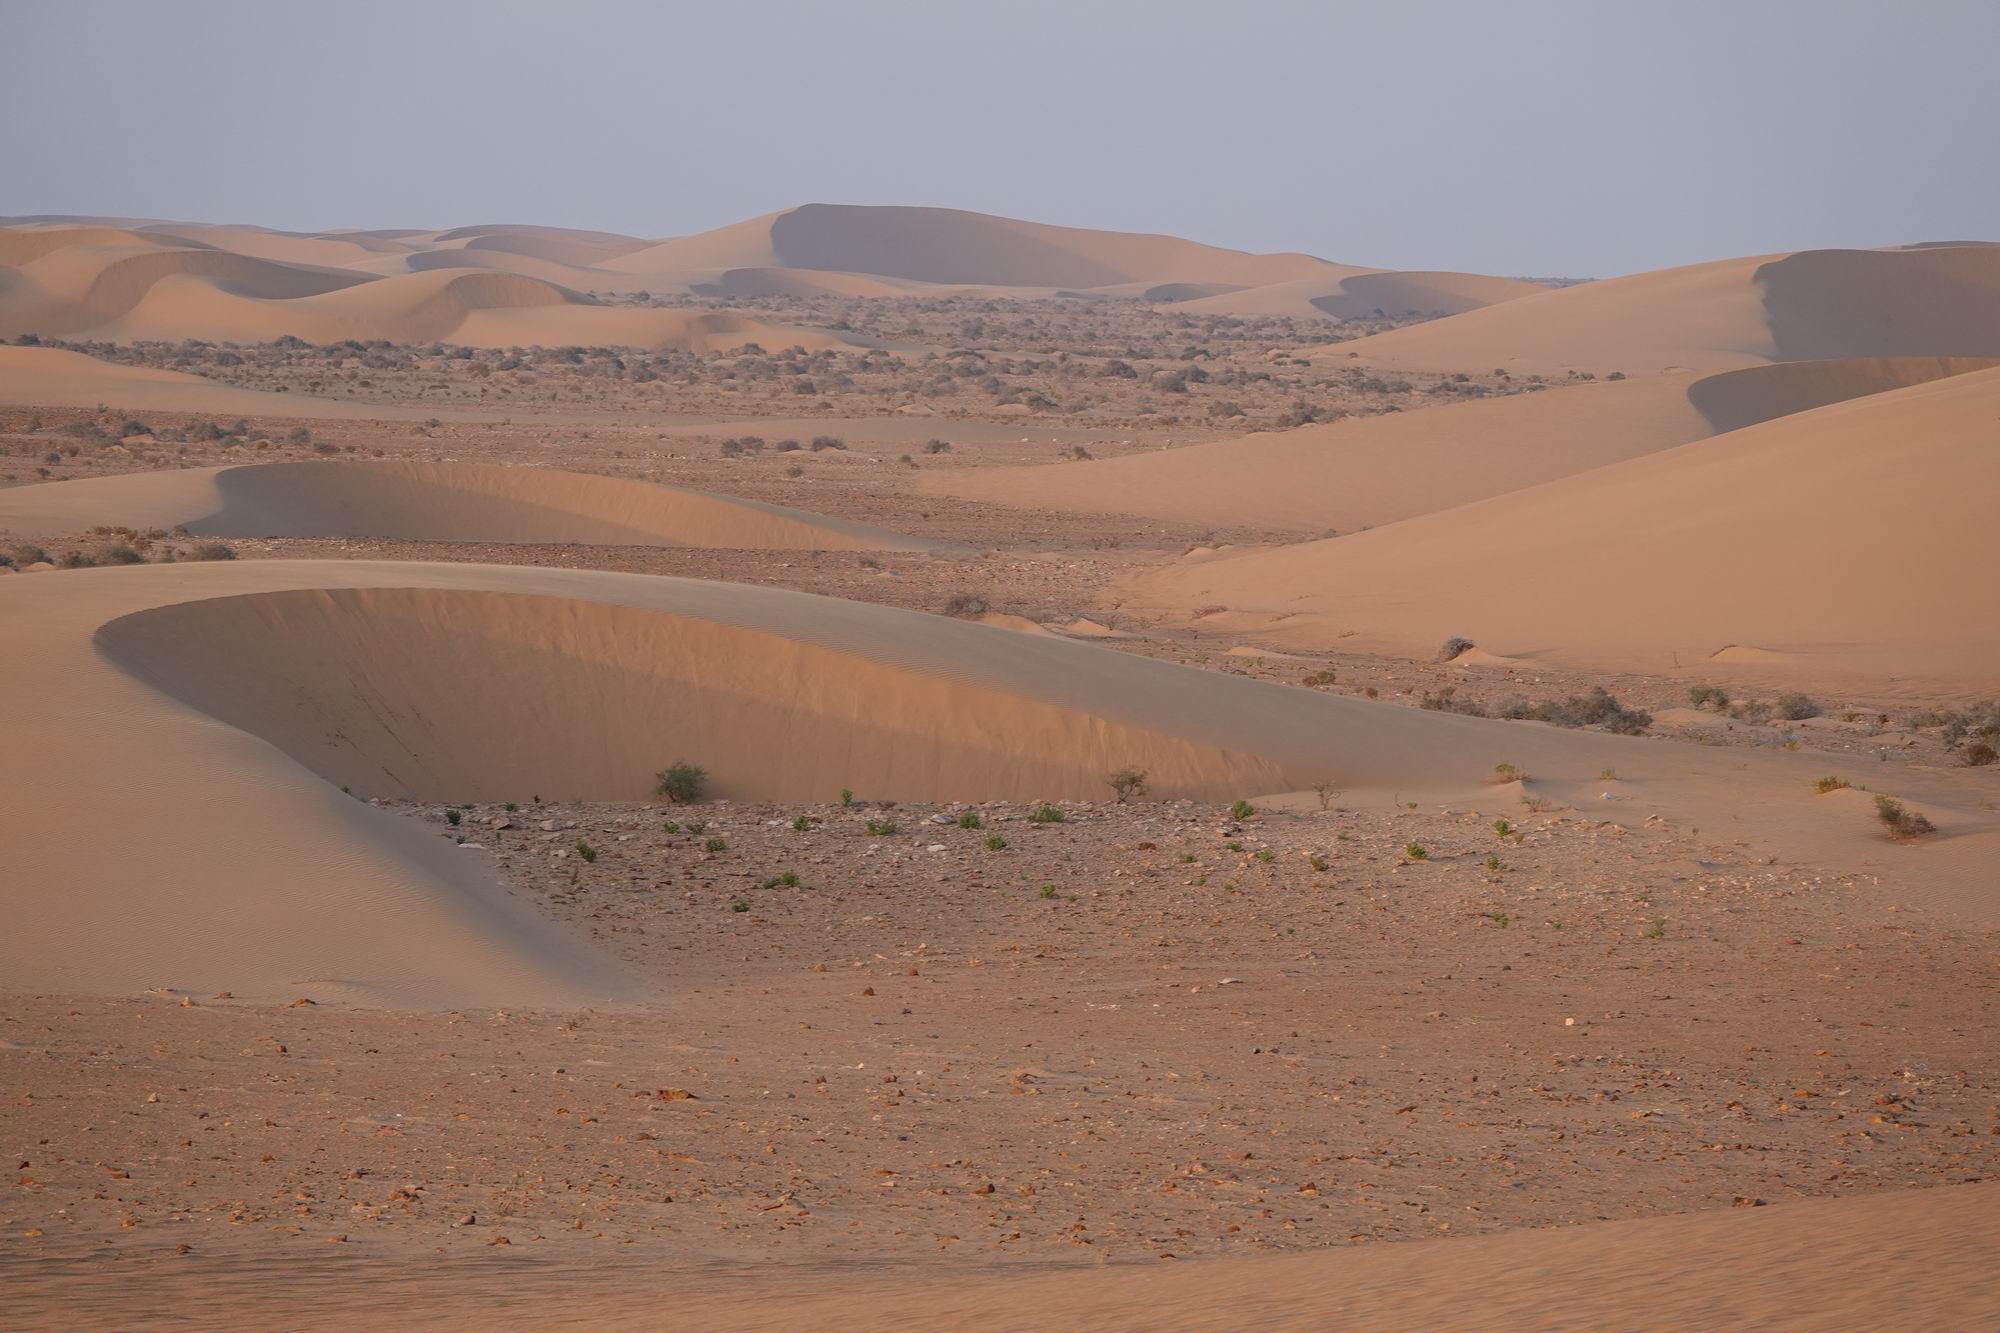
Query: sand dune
[
  {"x": 119, "y": 286},
  {"x": 1367, "y": 294},
  {"x": 1355, "y": 474},
  {"x": 256, "y": 690},
  {"x": 1839, "y": 538},
  {"x": 52, "y": 377},
  {"x": 1942, "y": 301},
  {"x": 450, "y": 502},
  {"x": 943, "y": 245}
]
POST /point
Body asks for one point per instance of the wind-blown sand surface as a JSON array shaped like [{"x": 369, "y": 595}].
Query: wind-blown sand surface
[
  {"x": 1839, "y": 538},
  {"x": 52, "y": 377},
  {"x": 1348, "y": 475},
  {"x": 451, "y": 502},
  {"x": 1812, "y": 305}
]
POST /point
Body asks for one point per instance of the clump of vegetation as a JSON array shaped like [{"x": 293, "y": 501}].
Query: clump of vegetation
[
  {"x": 1978, "y": 755},
  {"x": 937, "y": 446},
  {"x": 585, "y": 850},
  {"x": 452, "y": 817},
  {"x": 1901, "y": 821},
  {"x": 971, "y": 819},
  {"x": 1504, "y": 773},
  {"x": 739, "y": 904},
  {"x": 1446, "y": 700},
  {"x": 1595, "y": 709},
  {"x": 1318, "y": 862},
  {"x": 1494, "y": 864},
  {"x": 1502, "y": 828},
  {"x": 1830, "y": 783},
  {"x": 1048, "y": 890},
  {"x": 1796, "y": 707},
  {"x": 1127, "y": 783},
  {"x": 996, "y": 843},
  {"x": 965, "y": 605},
  {"x": 697, "y": 827},
  {"x": 881, "y": 828},
  {"x": 1656, "y": 929},
  {"x": 804, "y": 824},
  {"x": 681, "y": 783},
  {"x": 788, "y": 880},
  {"x": 1046, "y": 814},
  {"x": 824, "y": 442},
  {"x": 716, "y": 845},
  {"x": 1711, "y": 697},
  {"x": 1242, "y": 810},
  {"x": 1416, "y": 851},
  {"x": 1318, "y": 680},
  {"x": 211, "y": 551},
  {"x": 1454, "y": 647}
]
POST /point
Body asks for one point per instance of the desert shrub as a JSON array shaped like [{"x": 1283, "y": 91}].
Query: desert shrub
[
  {"x": 681, "y": 783},
  {"x": 27, "y": 553},
  {"x": 787, "y": 446},
  {"x": 823, "y": 442},
  {"x": 731, "y": 448},
  {"x": 1508, "y": 773},
  {"x": 1830, "y": 783},
  {"x": 1127, "y": 783},
  {"x": 325, "y": 447},
  {"x": 1454, "y": 647},
  {"x": 298, "y": 435},
  {"x": 1899, "y": 820},
  {"x": 937, "y": 446},
  {"x": 1446, "y": 700},
  {"x": 212, "y": 551},
  {"x": 452, "y": 817},
  {"x": 1754, "y": 710},
  {"x": 1318, "y": 679},
  {"x": 1978, "y": 755},
  {"x": 1796, "y": 707},
  {"x": 1046, "y": 814},
  {"x": 120, "y": 554},
  {"x": 996, "y": 843},
  {"x": 971, "y": 819},
  {"x": 716, "y": 845},
  {"x": 1595, "y": 709},
  {"x": 1709, "y": 696},
  {"x": 966, "y": 605},
  {"x": 1242, "y": 810},
  {"x": 881, "y": 828},
  {"x": 585, "y": 850},
  {"x": 1079, "y": 453},
  {"x": 1416, "y": 851}
]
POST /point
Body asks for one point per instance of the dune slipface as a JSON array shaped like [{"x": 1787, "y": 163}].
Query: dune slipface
[
  {"x": 1836, "y": 540},
  {"x": 1349, "y": 475},
  {"x": 445, "y": 502}
]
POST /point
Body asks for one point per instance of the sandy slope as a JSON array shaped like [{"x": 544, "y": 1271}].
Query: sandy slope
[
  {"x": 1921, "y": 1257},
  {"x": 456, "y": 502},
  {"x": 1363, "y": 294},
  {"x": 52, "y": 377},
  {"x": 1942, "y": 301},
  {"x": 943, "y": 245},
  {"x": 1355, "y": 474},
  {"x": 1838, "y": 540}
]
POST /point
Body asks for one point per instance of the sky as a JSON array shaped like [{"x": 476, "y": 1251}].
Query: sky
[{"x": 1530, "y": 138}]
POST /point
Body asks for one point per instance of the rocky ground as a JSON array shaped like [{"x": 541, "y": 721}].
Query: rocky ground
[{"x": 1144, "y": 1031}]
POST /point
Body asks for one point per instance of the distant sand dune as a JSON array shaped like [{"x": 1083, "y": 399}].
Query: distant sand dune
[
  {"x": 1841, "y": 537},
  {"x": 1942, "y": 301},
  {"x": 1366, "y": 293},
  {"x": 1349, "y": 475},
  {"x": 446, "y": 502}
]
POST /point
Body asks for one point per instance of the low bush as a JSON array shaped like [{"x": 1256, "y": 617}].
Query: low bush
[
  {"x": 681, "y": 783},
  {"x": 1900, "y": 820}
]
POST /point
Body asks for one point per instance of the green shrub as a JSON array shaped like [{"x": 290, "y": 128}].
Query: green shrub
[
  {"x": 1242, "y": 810},
  {"x": 585, "y": 850},
  {"x": 1046, "y": 814},
  {"x": 881, "y": 828},
  {"x": 1127, "y": 783},
  {"x": 681, "y": 783},
  {"x": 996, "y": 843},
  {"x": 1416, "y": 851},
  {"x": 1901, "y": 821},
  {"x": 716, "y": 845},
  {"x": 971, "y": 819}
]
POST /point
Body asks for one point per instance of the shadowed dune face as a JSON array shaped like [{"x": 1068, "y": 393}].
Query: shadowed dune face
[
  {"x": 475, "y": 695},
  {"x": 1940, "y": 301},
  {"x": 446, "y": 502},
  {"x": 1739, "y": 398}
]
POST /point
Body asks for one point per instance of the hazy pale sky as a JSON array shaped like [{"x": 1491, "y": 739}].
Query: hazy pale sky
[{"x": 1519, "y": 138}]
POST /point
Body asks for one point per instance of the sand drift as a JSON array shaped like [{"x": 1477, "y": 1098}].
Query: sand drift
[{"x": 441, "y": 502}]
